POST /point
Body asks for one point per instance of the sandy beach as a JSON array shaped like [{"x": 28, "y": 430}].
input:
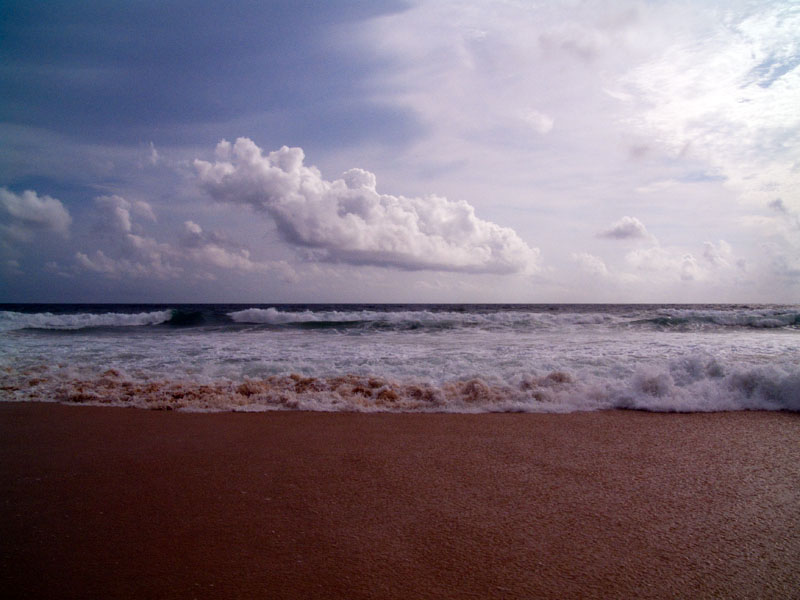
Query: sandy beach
[{"x": 126, "y": 503}]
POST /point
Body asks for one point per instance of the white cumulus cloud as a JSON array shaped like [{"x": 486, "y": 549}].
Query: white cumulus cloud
[
  {"x": 347, "y": 220},
  {"x": 27, "y": 213}
]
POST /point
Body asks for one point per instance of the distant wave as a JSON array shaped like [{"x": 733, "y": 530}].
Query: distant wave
[
  {"x": 273, "y": 316},
  {"x": 10, "y": 321},
  {"x": 365, "y": 319},
  {"x": 418, "y": 319},
  {"x": 414, "y": 319}
]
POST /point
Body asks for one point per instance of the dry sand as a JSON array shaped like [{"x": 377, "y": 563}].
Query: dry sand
[{"x": 126, "y": 503}]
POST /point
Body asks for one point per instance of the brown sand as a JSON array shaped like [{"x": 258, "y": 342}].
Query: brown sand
[{"x": 125, "y": 503}]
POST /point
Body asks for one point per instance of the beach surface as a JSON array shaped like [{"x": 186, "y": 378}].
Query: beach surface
[{"x": 124, "y": 503}]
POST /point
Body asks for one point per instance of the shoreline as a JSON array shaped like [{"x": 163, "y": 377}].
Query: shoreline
[{"x": 120, "y": 503}]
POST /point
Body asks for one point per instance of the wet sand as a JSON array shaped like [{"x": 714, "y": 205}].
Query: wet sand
[{"x": 126, "y": 503}]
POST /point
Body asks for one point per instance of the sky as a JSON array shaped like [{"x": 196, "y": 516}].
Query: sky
[{"x": 393, "y": 151}]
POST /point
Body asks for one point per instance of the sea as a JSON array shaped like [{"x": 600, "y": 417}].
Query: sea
[{"x": 462, "y": 358}]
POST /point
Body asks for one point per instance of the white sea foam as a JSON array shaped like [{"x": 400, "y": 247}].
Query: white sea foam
[{"x": 671, "y": 389}]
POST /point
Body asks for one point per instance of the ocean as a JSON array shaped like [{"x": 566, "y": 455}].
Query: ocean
[{"x": 404, "y": 358}]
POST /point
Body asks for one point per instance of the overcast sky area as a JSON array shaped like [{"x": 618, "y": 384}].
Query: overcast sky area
[{"x": 390, "y": 151}]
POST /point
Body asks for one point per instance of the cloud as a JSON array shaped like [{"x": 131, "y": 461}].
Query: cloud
[
  {"x": 627, "y": 228},
  {"x": 11, "y": 267},
  {"x": 720, "y": 255},
  {"x": 137, "y": 255},
  {"x": 536, "y": 114},
  {"x": 780, "y": 245},
  {"x": 27, "y": 213},
  {"x": 539, "y": 122},
  {"x": 665, "y": 264},
  {"x": 717, "y": 264},
  {"x": 99, "y": 262},
  {"x": 154, "y": 155},
  {"x": 124, "y": 72},
  {"x": 591, "y": 264},
  {"x": 134, "y": 256},
  {"x": 347, "y": 220},
  {"x": 778, "y": 205},
  {"x": 729, "y": 98},
  {"x": 114, "y": 213},
  {"x": 655, "y": 186},
  {"x": 574, "y": 40},
  {"x": 215, "y": 249}
]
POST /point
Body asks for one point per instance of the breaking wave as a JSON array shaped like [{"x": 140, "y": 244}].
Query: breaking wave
[
  {"x": 424, "y": 318},
  {"x": 693, "y": 320},
  {"x": 10, "y": 320},
  {"x": 402, "y": 320},
  {"x": 667, "y": 319}
]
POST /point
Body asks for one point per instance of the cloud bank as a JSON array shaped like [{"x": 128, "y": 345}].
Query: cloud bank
[
  {"x": 136, "y": 255},
  {"x": 348, "y": 221}
]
